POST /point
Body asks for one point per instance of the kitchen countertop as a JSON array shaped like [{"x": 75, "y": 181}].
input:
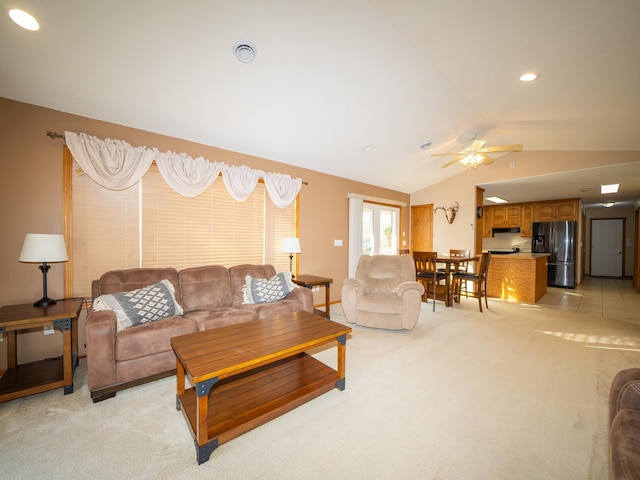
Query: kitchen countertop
[{"x": 521, "y": 255}]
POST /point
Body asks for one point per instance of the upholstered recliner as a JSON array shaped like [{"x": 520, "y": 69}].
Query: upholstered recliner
[{"x": 384, "y": 293}]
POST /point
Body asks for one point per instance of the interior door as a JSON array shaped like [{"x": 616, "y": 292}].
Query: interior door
[
  {"x": 607, "y": 247},
  {"x": 422, "y": 228}
]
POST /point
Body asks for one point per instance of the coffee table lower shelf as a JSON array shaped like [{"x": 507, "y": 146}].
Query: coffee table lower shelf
[{"x": 245, "y": 401}]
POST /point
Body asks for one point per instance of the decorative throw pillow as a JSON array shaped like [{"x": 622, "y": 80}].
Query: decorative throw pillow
[
  {"x": 143, "y": 305},
  {"x": 262, "y": 290}
]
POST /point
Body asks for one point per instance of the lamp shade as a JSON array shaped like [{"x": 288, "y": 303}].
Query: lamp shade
[
  {"x": 291, "y": 245},
  {"x": 43, "y": 247}
]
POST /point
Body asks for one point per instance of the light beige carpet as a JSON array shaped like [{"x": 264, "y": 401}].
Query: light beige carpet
[{"x": 517, "y": 392}]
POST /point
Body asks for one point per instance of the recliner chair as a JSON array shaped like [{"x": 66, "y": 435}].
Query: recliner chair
[{"x": 384, "y": 293}]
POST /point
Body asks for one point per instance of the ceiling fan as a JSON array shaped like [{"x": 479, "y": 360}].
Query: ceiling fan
[{"x": 476, "y": 154}]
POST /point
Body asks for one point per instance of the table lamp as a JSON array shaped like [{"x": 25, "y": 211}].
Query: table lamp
[
  {"x": 43, "y": 248},
  {"x": 291, "y": 246}
]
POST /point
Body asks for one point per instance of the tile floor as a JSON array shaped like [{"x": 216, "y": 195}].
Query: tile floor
[{"x": 606, "y": 297}]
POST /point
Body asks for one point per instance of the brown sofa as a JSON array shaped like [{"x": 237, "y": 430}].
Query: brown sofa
[
  {"x": 211, "y": 297},
  {"x": 624, "y": 425}
]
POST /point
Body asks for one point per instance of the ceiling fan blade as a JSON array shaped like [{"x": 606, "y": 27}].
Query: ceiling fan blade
[
  {"x": 448, "y": 153},
  {"x": 486, "y": 159},
  {"x": 476, "y": 146},
  {"x": 451, "y": 162},
  {"x": 502, "y": 148}
]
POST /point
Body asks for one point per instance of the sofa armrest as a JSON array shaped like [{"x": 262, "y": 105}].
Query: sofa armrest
[
  {"x": 304, "y": 296},
  {"x": 405, "y": 287},
  {"x": 624, "y": 392},
  {"x": 100, "y": 329}
]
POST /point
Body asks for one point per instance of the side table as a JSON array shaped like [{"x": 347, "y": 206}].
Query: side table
[
  {"x": 40, "y": 376},
  {"x": 310, "y": 281}
]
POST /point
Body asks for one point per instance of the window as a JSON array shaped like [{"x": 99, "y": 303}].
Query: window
[{"x": 151, "y": 225}]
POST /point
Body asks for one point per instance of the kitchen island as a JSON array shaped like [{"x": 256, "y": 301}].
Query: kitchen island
[{"x": 518, "y": 277}]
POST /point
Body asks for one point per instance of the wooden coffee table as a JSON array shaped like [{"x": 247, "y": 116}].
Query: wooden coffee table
[{"x": 247, "y": 374}]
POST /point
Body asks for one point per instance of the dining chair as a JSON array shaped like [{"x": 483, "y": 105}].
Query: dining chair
[
  {"x": 478, "y": 279},
  {"x": 427, "y": 273},
  {"x": 461, "y": 287}
]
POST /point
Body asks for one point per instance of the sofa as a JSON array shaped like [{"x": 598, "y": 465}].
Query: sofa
[
  {"x": 122, "y": 352},
  {"x": 384, "y": 293},
  {"x": 624, "y": 425}
]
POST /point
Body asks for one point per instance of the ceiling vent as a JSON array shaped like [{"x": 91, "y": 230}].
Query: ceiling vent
[{"x": 245, "y": 51}]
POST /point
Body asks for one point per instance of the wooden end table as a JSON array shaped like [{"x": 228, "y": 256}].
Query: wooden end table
[
  {"x": 247, "y": 374},
  {"x": 40, "y": 376},
  {"x": 310, "y": 281}
]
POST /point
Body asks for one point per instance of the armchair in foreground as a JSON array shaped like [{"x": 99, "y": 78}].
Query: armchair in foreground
[{"x": 384, "y": 293}]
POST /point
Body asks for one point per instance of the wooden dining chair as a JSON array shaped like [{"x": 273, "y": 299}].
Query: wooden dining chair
[
  {"x": 478, "y": 279},
  {"x": 427, "y": 273},
  {"x": 461, "y": 287}
]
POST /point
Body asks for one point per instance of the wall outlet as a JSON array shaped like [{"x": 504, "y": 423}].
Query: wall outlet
[
  {"x": 48, "y": 329},
  {"x": 337, "y": 243}
]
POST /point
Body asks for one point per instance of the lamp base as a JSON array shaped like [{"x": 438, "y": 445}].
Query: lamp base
[{"x": 45, "y": 302}]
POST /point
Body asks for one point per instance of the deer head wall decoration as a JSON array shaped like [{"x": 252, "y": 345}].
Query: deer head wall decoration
[{"x": 449, "y": 213}]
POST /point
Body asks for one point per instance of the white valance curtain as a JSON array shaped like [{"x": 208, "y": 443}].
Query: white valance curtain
[{"x": 116, "y": 165}]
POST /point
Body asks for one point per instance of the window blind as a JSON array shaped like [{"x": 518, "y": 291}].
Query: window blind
[{"x": 150, "y": 225}]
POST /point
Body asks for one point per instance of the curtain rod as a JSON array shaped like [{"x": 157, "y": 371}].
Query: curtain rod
[{"x": 55, "y": 135}]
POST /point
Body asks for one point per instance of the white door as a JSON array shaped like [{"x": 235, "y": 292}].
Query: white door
[{"x": 606, "y": 247}]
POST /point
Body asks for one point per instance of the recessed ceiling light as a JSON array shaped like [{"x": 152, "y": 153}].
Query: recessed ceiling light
[
  {"x": 585, "y": 189},
  {"x": 497, "y": 200},
  {"x": 425, "y": 145},
  {"x": 612, "y": 188},
  {"x": 528, "y": 77},
  {"x": 608, "y": 204},
  {"x": 367, "y": 148},
  {"x": 245, "y": 51},
  {"x": 24, "y": 19}
]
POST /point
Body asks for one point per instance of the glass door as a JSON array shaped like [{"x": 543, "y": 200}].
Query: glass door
[{"x": 380, "y": 226}]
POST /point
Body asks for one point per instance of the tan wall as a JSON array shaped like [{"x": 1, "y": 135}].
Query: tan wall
[
  {"x": 461, "y": 187},
  {"x": 31, "y": 198}
]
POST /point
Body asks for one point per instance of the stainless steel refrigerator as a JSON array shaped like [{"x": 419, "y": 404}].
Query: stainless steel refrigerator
[{"x": 558, "y": 239}]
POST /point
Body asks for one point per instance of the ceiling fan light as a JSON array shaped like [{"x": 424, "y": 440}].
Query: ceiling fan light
[{"x": 472, "y": 160}]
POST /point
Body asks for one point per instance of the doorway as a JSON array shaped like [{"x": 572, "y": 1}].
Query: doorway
[{"x": 607, "y": 247}]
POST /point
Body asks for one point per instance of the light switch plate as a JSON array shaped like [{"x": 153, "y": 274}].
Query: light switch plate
[{"x": 337, "y": 243}]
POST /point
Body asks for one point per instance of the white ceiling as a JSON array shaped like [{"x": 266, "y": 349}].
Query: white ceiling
[{"x": 334, "y": 76}]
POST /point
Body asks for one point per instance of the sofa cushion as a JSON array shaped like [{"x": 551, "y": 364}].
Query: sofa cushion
[
  {"x": 205, "y": 288},
  {"x": 152, "y": 338},
  {"x": 143, "y": 305},
  {"x": 220, "y": 317},
  {"x": 262, "y": 290}
]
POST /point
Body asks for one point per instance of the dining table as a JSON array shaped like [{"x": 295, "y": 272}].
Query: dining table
[{"x": 451, "y": 263}]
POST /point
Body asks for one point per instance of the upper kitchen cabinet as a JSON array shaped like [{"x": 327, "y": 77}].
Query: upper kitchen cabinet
[
  {"x": 527, "y": 219},
  {"x": 505, "y": 216},
  {"x": 557, "y": 210}
]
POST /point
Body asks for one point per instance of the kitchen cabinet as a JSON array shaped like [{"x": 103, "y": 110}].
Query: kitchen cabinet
[
  {"x": 557, "y": 210},
  {"x": 505, "y": 216},
  {"x": 519, "y": 277},
  {"x": 527, "y": 219},
  {"x": 487, "y": 222}
]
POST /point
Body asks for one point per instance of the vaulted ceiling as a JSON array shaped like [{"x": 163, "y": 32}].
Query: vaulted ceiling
[{"x": 333, "y": 77}]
